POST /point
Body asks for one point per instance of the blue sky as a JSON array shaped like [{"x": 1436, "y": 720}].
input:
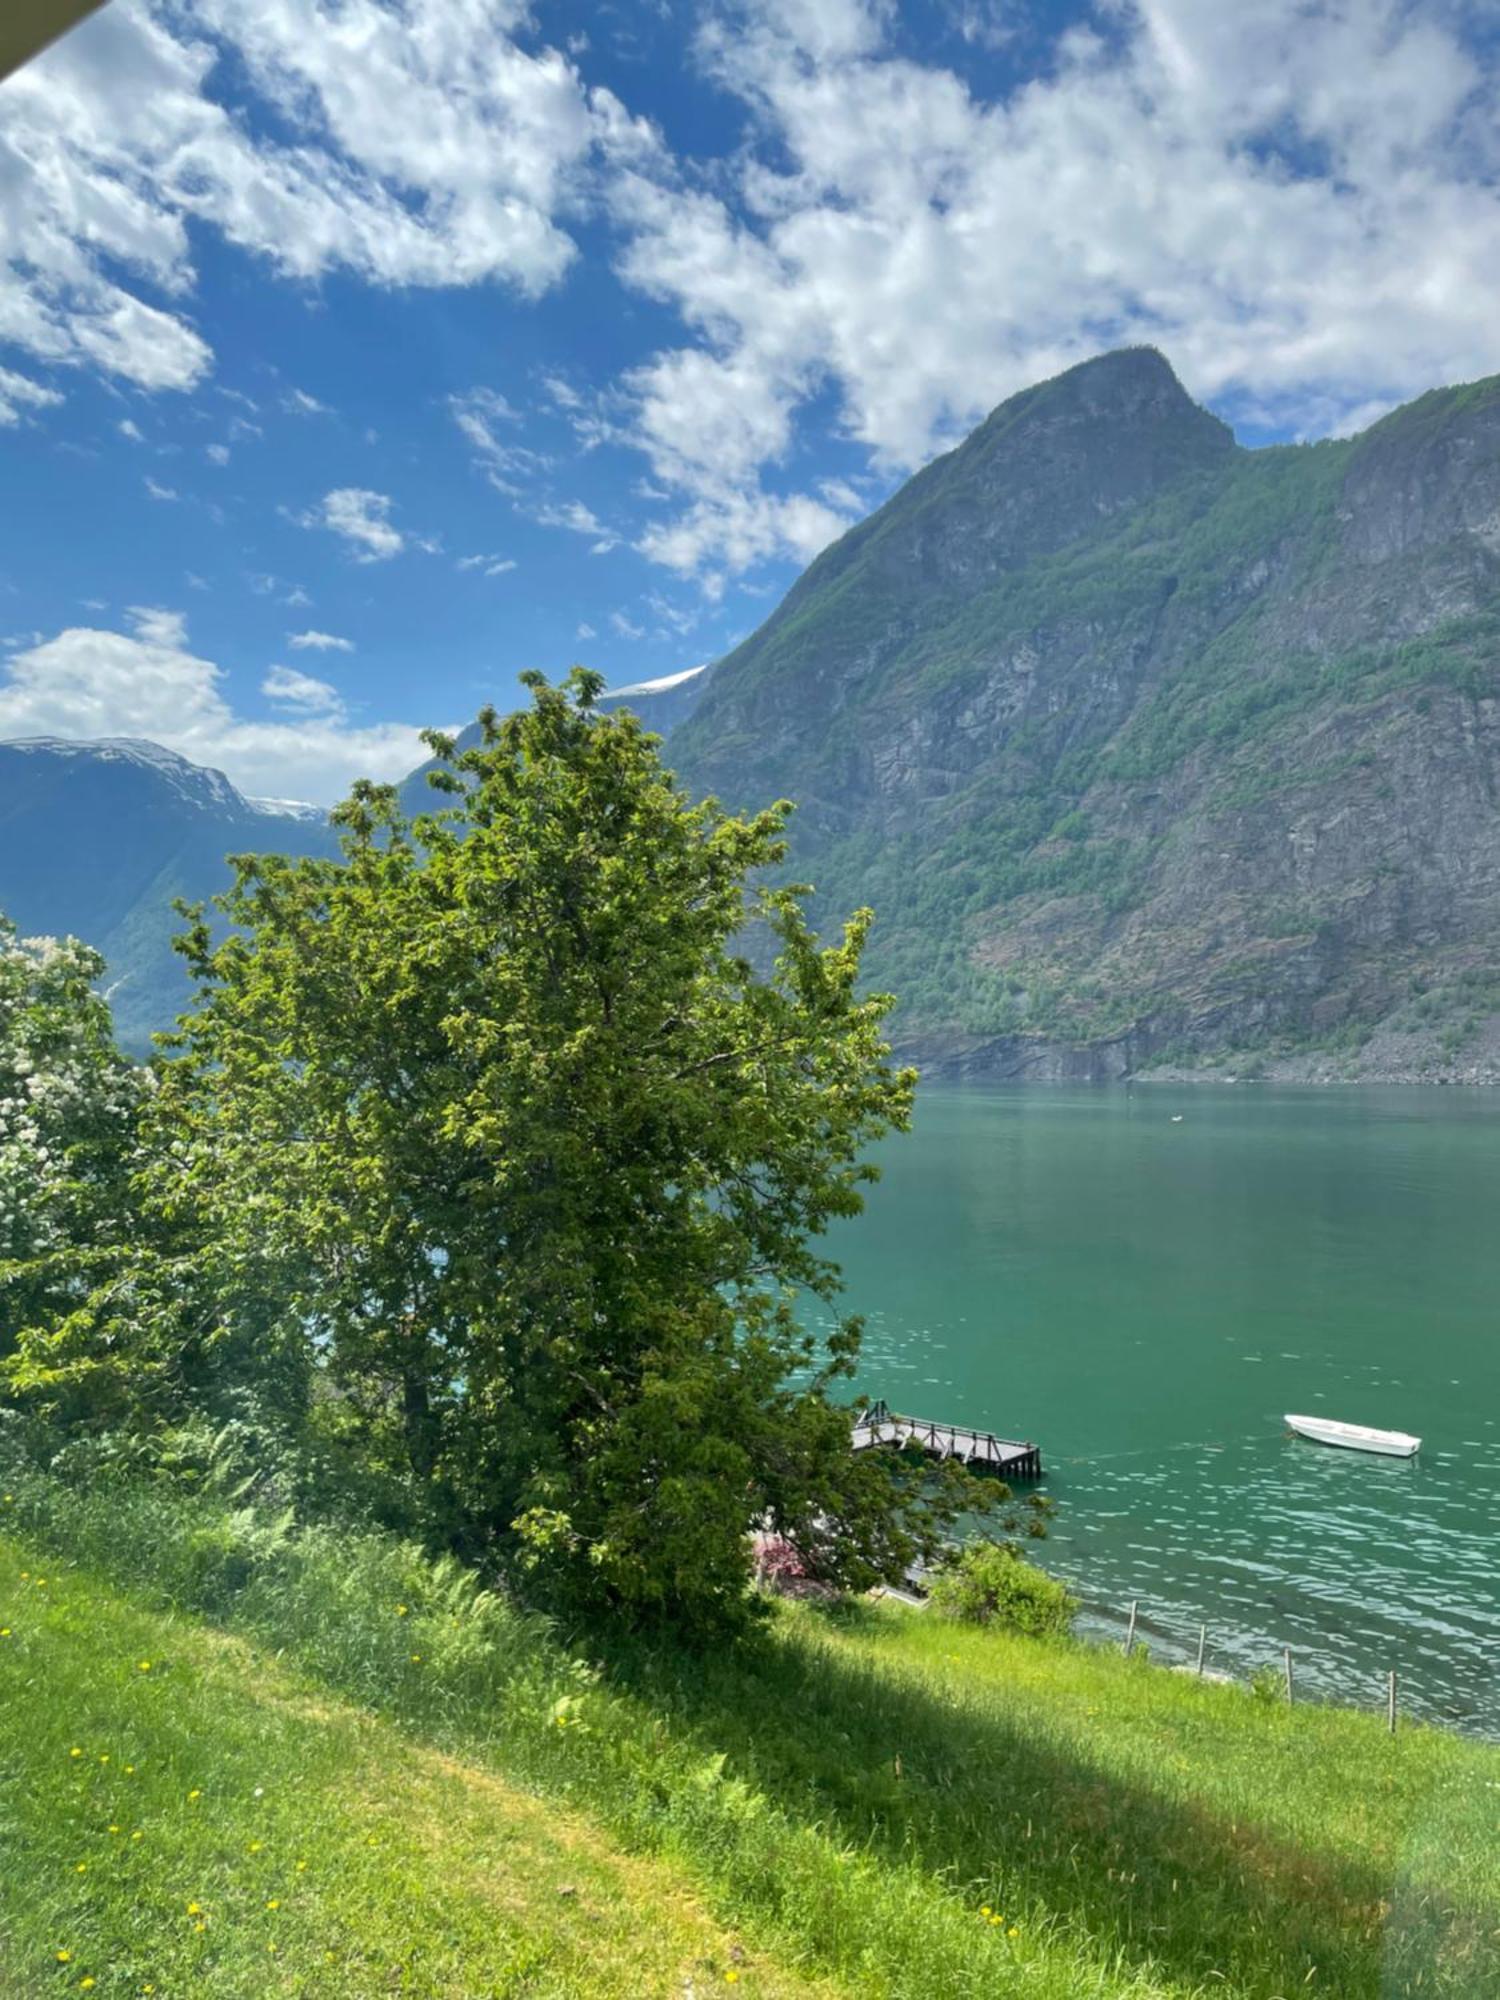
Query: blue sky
[{"x": 355, "y": 355}]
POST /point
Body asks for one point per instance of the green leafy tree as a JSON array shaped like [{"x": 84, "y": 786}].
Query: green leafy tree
[
  {"x": 496, "y": 1118},
  {"x": 69, "y": 1104}
]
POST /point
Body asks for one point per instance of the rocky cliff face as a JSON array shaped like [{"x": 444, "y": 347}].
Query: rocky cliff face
[{"x": 1146, "y": 747}]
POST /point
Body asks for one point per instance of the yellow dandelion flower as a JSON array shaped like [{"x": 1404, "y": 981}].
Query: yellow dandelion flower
[
  {"x": 4, "y": 1631},
  {"x": 130, "y": 1770},
  {"x": 194, "y": 1794},
  {"x": 103, "y": 1756},
  {"x": 137, "y": 1835},
  {"x": 195, "y": 1909},
  {"x": 10, "y": 1499},
  {"x": 272, "y": 1947},
  {"x": 400, "y": 1610},
  {"x": 300, "y": 1866},
  {"x": 1014, "y": 1931},
  {"x": 25, "y": 1574},
  {"x": 984, "y": 1909},
  {"x": 87, "y": 1980},
  {"x": 416, "y": 1659},
  {"x": 200, "y": 1925},
  {"x": 114, "y": 1829},
  {"x": 274, "y": 1904},
  {"x": 41, "y": 1583},
  {"x": 730, "y": 1976},
  {"x": 255, "y": 1846},
  {"x": 63, "y": 1957},
  {"x": 997, "y": 1920},
  {"x": 144, "y": 1666},
  {"x": 75, "y": 1752}
]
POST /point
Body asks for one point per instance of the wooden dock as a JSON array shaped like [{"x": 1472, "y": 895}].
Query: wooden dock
[{"x": 980, "y": 1451}]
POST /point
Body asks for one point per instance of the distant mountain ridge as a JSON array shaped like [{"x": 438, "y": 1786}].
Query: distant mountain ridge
[
  {"x": 98, "y": 839},
  {"x": 1146, "y": 747}
]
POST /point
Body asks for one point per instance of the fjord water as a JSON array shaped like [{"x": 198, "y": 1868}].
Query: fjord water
[{"x": 1145, "y": 1280}]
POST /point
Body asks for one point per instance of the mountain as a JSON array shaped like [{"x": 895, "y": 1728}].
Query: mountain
[
  {"x": 97, "y": 839},
  {"x": 1147, "y": 748},
  {"x": 660, "y": 705}
]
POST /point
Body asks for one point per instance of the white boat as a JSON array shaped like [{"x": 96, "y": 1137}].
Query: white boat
[{"x": 1356, "y": 1437}]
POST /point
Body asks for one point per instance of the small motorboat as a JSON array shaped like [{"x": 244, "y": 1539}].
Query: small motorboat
[{"x": 1356, "y": 1437}]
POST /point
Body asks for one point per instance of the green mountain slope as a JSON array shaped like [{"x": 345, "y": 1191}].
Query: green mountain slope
[{"x": 1145, "y": 745}]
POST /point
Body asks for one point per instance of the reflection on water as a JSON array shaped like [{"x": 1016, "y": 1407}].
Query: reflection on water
[{"x": 1145, "y": 1298}]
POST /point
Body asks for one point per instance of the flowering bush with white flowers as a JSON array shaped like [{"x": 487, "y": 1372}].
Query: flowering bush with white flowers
[{"x": 68, "y": 1107}]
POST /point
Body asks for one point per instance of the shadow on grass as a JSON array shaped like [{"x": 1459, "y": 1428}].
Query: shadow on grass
[{"x": 1014, "y": 1814}]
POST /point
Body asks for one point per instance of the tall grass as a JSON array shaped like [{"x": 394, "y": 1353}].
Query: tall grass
[{"x": 885, "y": 1797}]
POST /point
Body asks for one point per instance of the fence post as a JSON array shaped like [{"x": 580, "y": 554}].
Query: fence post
[
  {"x": 1130, "y": 1635},
  {"x": 1202, "y": 1641},
  {"x": 1287, "y": 1655},
  {"x": 1390, "y": 1701}
]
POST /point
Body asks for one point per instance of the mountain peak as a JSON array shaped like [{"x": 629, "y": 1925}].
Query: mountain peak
[
  {"x": 1045, "y": 470},
  {"x": 1130, "y": 391},
  {"x": 197, "y": 785}
]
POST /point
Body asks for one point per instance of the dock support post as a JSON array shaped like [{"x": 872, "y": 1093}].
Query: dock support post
[
  {"x": 1287, "y": 1656},
  {"x": 1202, "y": 1642},
  {"x": 1390, "y": 1701},
  {"x": 1130, "y": 1635}
]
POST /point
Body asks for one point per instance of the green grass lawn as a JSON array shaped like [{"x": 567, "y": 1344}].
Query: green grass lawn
[
  {"x": 875, "y": 1802},
  {"x": 180, "y": 1815}
]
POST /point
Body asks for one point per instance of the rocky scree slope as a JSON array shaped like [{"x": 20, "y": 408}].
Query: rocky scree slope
[{"x": 1149, "y": 748}]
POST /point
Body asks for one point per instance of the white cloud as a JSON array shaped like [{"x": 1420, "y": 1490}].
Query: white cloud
[
  {"x": 159, "y": 492},
  {"x": 480, "y": 414},
  {"x": 1291, "y": 199},
  {"x": 626, "y": 628},
  {"x": 129, "y": 428},
  {"x": 587, "y": 632},
  {"x": 673, "y": 618},
  {"x": 487, "y": 565},
  {"x": 562, "y": 392},
  {"x": 288, "y": 689},
  {"x": 361, "y": 518},
  {"x": 318, "y": 642},
  {"x": 219, "y": 453},
  {"x": 297, "y": 403},
  {"x": 582, "y": 520},
  {"x": 19, "y": 393},
  {"x": 87, "y": 682},
  {"x": 413, "y": 145},
  {"x": 157, "y": 626}
]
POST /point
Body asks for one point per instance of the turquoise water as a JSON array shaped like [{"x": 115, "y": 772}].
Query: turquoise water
[{"x": 1145, "y": 1281}]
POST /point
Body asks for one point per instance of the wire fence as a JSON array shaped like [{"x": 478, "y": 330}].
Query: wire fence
[{"x": 1286, "y": 1671}]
